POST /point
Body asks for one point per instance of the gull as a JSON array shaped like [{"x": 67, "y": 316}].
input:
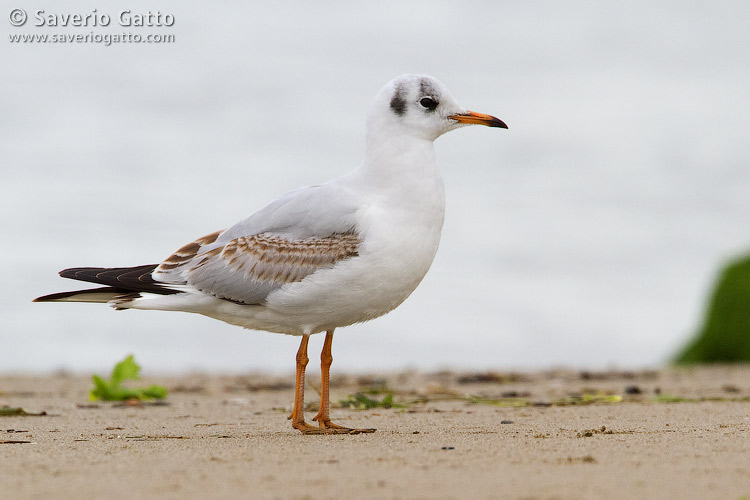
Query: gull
[{"x": 321, "y": 257}]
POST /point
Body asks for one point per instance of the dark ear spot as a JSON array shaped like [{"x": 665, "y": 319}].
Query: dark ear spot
[{"x": 398, "y": 103}]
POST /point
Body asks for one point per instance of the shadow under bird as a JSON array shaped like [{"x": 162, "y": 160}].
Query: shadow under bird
[{"x": 320, "y": 257}]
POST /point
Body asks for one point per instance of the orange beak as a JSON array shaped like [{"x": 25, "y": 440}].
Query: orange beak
[{"x": 479, "y": 119}]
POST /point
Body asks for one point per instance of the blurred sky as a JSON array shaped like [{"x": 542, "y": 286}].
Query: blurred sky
[{"x": 587, "y": 235}]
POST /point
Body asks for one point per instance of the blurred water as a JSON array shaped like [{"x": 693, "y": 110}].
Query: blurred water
[{"x": 586, "y": 235}]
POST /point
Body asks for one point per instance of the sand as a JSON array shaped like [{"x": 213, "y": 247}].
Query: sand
[{"x": 227, "y": 437}]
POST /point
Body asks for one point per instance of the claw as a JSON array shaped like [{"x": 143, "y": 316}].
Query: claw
[{"x": 306, "y": 428}]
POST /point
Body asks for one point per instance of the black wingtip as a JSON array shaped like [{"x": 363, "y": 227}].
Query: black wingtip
[
  {"x": 103, "y": 294},
  {"x": 53, "y": 297},
  {"x": 68, "y": 273},
  {"x": 119, "y": 281}
]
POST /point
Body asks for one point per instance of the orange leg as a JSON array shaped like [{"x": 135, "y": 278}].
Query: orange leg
[
  {"x": 298, "y": 413},
  {"x": 324, "y": 420}
]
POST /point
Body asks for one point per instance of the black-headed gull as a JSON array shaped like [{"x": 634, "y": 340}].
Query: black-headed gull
[{"x": 320, "y": 257}]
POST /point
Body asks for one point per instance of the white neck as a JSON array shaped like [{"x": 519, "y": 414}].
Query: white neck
[{"x": 393, "y": 156}]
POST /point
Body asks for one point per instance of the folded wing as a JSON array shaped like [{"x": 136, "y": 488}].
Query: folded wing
[
  {"x": 299, "y": 234},
  {"x": 248, "y": 268}
]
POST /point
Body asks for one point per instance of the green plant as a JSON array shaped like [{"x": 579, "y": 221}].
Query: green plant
[
  {"x": 112, "y": 390},
  {"x": 362, "y": 402},
  {"x": 725, "y": 335}
]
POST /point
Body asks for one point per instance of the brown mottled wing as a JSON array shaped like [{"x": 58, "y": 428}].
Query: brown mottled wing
[
  {"x": 246, "y": 269},
  {"x": 185, "y": 254}
]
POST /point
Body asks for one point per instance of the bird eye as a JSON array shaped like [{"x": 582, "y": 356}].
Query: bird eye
[{"x": 428, "y": 103}]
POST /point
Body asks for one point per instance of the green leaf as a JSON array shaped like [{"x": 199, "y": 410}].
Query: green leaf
[
  {"x": 155, "y": 392},
  {"x": 127, "y": 369},
  {"x": 100, "y": 390}
]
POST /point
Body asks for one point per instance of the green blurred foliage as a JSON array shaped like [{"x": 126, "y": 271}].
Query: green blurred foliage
[
  {"x": 361, "y": 402},
  {"x": 112, "y": 390},
  {"x": 725, "y": 335}
]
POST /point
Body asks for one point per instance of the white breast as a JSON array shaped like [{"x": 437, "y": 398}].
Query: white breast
[{"x": 400, "y": 229}]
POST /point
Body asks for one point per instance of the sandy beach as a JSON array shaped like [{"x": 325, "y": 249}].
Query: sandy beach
[{"x": 671, "y": 433}]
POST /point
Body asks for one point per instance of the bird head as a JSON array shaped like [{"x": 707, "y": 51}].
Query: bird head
[{"x": 422, "y": 106}]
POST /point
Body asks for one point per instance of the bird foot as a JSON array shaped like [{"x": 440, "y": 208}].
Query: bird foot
[{"x": 327, "y": 427}]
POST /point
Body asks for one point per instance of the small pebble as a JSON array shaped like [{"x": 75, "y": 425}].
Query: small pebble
[
  {"x": 633, "y": 389},
  {"x": 448, "y": 448},
  {"x": 506, "y": 421}
]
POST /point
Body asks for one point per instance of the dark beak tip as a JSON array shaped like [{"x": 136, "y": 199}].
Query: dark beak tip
[{"x": 500, "y": 124}]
